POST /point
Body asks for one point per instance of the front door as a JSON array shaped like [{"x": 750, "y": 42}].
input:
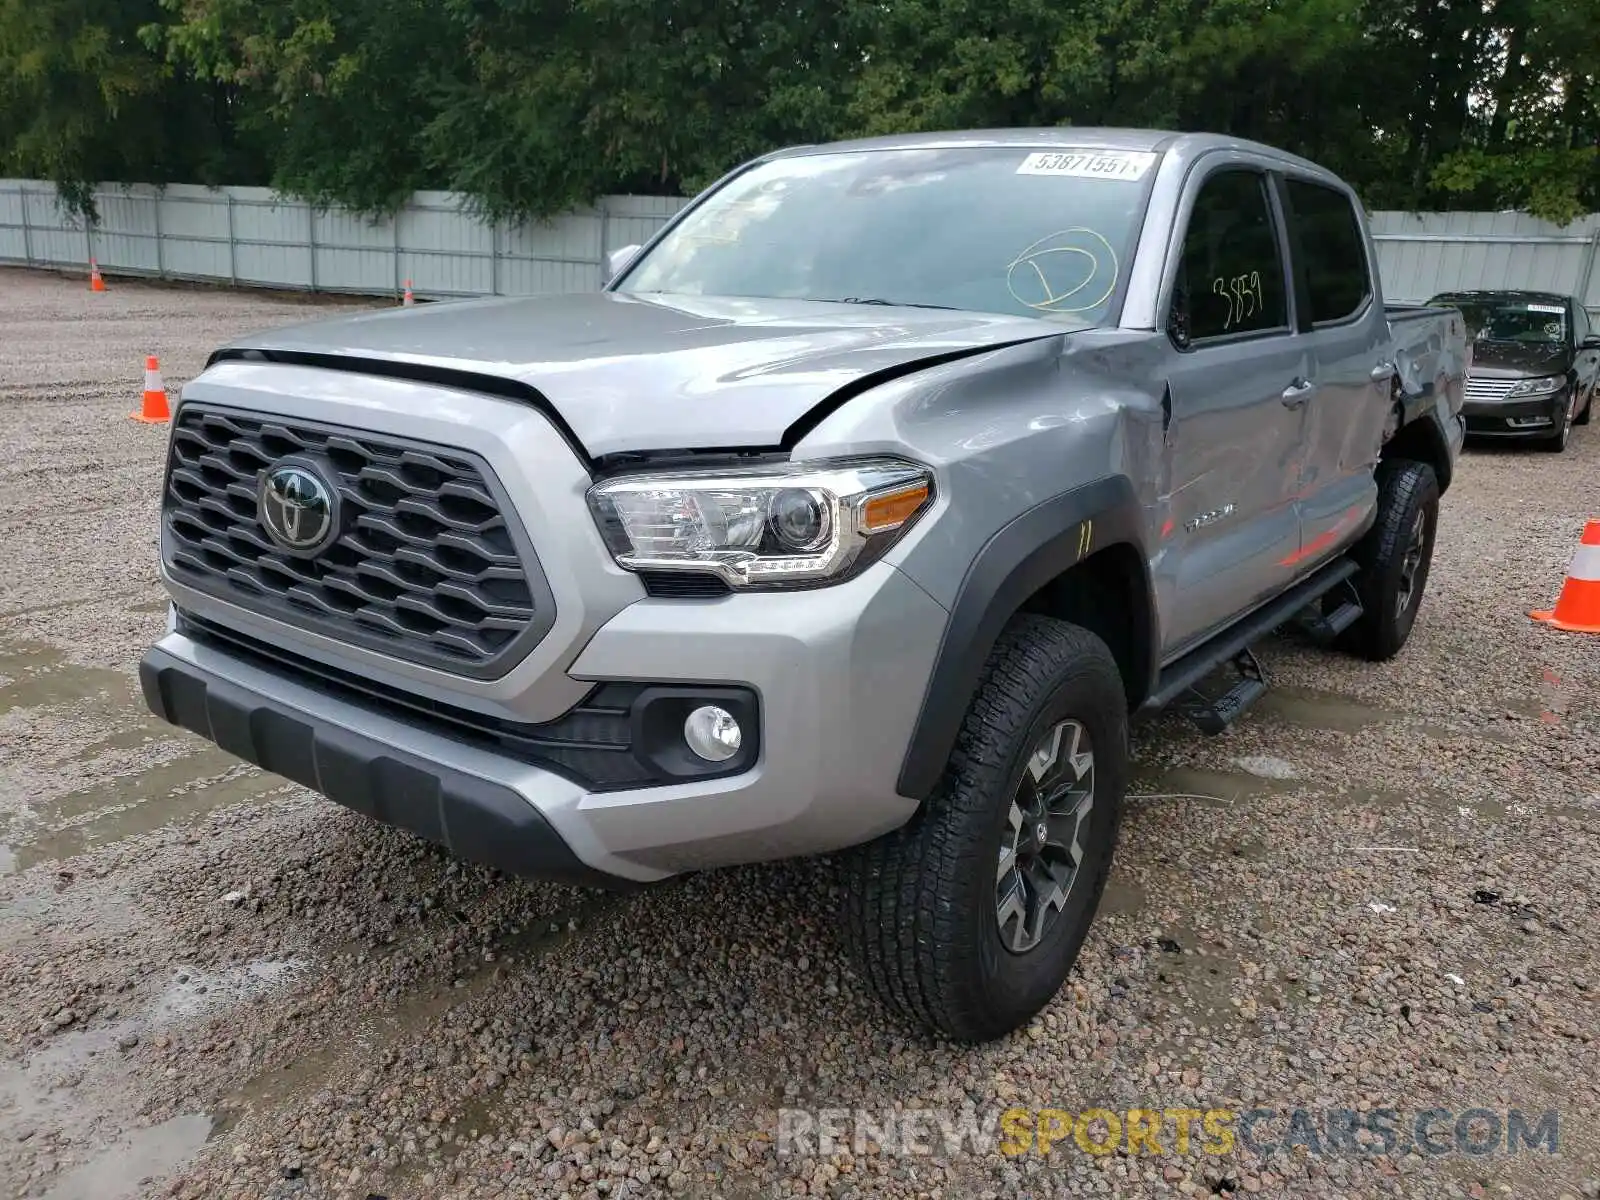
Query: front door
[
  {"x": 1231, "y": 528},
  {"x": 1586, "y": 359}
]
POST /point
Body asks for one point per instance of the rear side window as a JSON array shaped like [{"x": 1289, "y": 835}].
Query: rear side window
[
  {"x": 1230, "y": 278},
  {"x": 1332, "y": 250}
]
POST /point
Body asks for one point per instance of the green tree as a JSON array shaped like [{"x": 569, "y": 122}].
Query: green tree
[
  {"x": 83, "y": 101},
  {"x": 1535, "y": 114},
  {"x": 340, "y": 89},
  {"x": 531, "y": 106},
  {"x": 568, "y": 101}
]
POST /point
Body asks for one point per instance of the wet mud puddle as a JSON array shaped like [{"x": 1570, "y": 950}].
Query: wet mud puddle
[{"x": 84, "y": 765}]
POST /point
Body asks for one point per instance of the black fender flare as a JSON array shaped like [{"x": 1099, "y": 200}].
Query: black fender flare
[
  {"x": 1418, "y": 422},
  {"x": 1023, "y": 556}
]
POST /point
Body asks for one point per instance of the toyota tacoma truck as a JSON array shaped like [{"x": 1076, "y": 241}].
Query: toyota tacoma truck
[{"x": 858, "y": 514}]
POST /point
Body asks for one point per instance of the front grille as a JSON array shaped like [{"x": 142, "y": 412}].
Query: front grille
[
  {"x": 1488, "y": 391},
  {"x": 427, "y": 566}
]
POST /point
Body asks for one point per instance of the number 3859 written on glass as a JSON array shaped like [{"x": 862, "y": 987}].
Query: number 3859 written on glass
[{"x": 1244, "y": 295}]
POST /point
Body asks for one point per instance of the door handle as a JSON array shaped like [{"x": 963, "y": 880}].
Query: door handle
[
  {"x": 1382, "y": 371},
  {"x": 1298, "y": 392}
]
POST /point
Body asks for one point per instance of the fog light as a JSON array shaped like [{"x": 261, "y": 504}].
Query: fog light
[{"x": 712, "y": 733}]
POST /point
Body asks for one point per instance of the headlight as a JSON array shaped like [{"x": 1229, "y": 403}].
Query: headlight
[
  {"x": 784, "y": 525},
  {"x": 1538, "y": 387}
]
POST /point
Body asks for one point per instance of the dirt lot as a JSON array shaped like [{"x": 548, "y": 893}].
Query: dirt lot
[{"x": 1376, "y": 893}]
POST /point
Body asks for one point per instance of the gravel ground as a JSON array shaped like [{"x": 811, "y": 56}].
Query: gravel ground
[{"x": 1375, "y": 892}]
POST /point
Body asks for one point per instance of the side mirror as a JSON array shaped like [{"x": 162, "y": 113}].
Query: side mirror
[
  {"x": 1178, "y": 327},
  {"x": 1592, "y": 342},
  {"x": 618, "y": 260}
]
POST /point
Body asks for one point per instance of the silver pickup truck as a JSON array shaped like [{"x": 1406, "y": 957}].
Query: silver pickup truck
[{"x": 859, "y": 513}]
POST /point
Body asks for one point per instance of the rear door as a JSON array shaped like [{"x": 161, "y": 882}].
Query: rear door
[
  {"x": 1342, "y": 320},
  {"x": 1239, "y": 374}
]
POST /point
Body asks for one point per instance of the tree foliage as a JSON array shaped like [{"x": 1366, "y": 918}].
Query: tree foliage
[
  {"x": 531, "y": 106},
  {"x": 82, "y": 99}
]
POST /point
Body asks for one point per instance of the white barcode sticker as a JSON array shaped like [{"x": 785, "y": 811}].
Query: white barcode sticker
[
  {"x": 1548, "y": 308},
  {"x": 1089, "y": 164}
]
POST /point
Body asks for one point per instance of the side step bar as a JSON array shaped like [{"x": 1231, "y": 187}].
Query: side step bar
[
  {"x": 1214, "y": 714},
  {"x": 1180, "y": 676},
  {"x": 1324, "y": 628}
]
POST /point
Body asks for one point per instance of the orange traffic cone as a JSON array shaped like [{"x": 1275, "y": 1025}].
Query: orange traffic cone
[
  {"x": 1578, "y": 608},
  {"x": 410, "y": 299},
  {"x": 96, "y": 284},
  {"x": 154, "y": 410}
]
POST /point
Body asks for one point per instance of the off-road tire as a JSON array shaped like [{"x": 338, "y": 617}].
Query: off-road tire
[
  {"x": 920, "y": 902},
  {"x": 1407, "y": 491}
]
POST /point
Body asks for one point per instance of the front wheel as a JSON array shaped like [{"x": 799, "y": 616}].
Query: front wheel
[
  {"x": 967, "y": 920},
  {"x": 1395, "y": 557},
  {"x": 1557, "y": 442}
]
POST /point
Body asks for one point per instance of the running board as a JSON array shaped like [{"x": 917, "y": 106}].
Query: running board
[
  {"x": 1214, "y": 714},
  {"x": 1325, "y": 628},
  {"x": 1180, "y": 676}
]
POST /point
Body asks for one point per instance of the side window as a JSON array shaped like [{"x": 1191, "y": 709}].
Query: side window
[
  {"x": 1230, "y": 276},
  {"x": 1332, "y": 250}
]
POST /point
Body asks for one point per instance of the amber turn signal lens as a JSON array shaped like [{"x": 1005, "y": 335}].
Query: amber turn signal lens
[{"x": 893, "y": 509}]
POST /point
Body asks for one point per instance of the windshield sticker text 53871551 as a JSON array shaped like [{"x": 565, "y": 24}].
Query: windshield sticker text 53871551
[{"x": 1089, "y": 164}]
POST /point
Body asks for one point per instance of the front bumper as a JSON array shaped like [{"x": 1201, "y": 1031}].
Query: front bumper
[
  {"x": 1536, "y": 416},
  {"x": 839, "y": 672},
  {"x": 475, "y": 817}
]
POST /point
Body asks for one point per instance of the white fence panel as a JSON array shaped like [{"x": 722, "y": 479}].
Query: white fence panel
[
  {"x": 251, "y": 235},
  {"x": 443, "y": 249},
  {"x": 355, "y": 253},
  {"x": 13, "y": 225},
  {"x": 633, "y": 220},
  {"x": 196, "y": 232},
  {"x": 1423, "y": 254},
  {"x": 47, "y": 235},
  {"x": 272, "y": 239},
  {"x": 130, "y": 236}
]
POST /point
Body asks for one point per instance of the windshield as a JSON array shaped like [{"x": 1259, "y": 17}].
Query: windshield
[
  {"x": 986, "y": 229},
  {"x": 1533, "y": 322}
]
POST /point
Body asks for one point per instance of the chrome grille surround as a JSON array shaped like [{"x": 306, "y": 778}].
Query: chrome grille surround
[{"x": 1488, "y": 391}]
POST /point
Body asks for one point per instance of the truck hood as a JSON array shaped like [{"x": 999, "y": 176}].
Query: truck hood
[
  {"x": 1512, "y": 360},
  {"x": 655, "y": 372}
]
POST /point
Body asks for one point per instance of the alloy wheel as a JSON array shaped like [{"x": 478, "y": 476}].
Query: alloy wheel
[
  {"x": 1041, "y": 848},
  {"x": 1411, "y": 564}
]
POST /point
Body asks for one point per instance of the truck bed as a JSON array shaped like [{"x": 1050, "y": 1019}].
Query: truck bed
[{"x": 1430, "y": 350}]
